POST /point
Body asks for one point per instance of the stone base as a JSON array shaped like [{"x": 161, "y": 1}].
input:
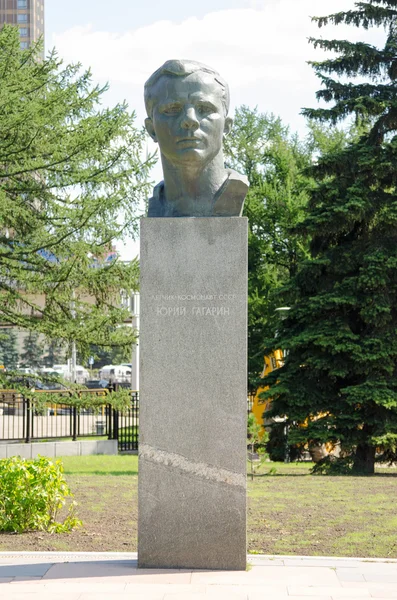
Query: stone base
[{"x": 193, "y": 396}]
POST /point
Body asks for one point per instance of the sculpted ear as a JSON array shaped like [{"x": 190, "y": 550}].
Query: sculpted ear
[
  {"x": 150, "y": 129},
  {"x": 228, "y": 125}
]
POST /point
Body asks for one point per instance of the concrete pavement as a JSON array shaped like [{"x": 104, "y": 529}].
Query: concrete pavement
[{"x": 115, "y": 576}]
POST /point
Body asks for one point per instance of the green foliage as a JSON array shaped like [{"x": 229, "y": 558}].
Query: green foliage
[
  {"x": 277, "y": 445},
  {"x": 331, "y": 466},
  {"x": 262, "y": 147},
  {"x": 339, "y": 382},
  {"x": 32, "y": 355},
  {"x": 31, "y": 494},
  {"x": 55, "y": 353},
  {"x": 71, "y": 178},
  {"x": 256, "y": 435},
  {"x": 112, "y": 356},
  {"x": 276, "y": 163},
  {"x": 272, "y": 471},
  {"x": 8, "y": 348},
  {"x": 73, "y": 394},
  {"x": 257, "y": 439}
]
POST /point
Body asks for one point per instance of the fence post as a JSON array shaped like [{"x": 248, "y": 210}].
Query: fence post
[
  {"x": 135, "y": 404},
  {"x": 74, "y": 424},
  {"x": 115, "y": 424},
  {"x": 27, "y": 421},
  {"x": 109, "y": 421}
]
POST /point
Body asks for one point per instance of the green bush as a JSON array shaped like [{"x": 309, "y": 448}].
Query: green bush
[
  {"x": 331, "y": 465},
  {"x": 31, "y": 494},
  {"x": 276, "y": 445}
]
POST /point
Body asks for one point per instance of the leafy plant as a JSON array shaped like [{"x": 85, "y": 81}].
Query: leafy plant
[
  {"x": 256, "y": 438},
  {"x": 278, "y": 445},
  {"x": 32, "y": 493},
  {"x": 331, "y": 466},
  {"x": 272, "y": 471}
]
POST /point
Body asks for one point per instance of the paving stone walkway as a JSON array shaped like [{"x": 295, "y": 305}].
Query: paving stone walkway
[{"x": 115, "y": 576}]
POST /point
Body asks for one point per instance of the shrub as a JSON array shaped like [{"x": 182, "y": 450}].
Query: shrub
[
  {"x": 31, "y": 494},
  {"x": 331, "y": 465},
  {"x": 276, "y": 446}
]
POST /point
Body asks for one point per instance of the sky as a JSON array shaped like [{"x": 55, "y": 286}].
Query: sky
[{"x": 259, "y": 46}]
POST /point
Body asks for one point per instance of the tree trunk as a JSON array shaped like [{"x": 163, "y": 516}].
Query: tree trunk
[{"x": 364, "y": 460}]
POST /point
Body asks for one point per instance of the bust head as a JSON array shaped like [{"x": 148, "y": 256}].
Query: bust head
[
  {"x": 182, "y": 68},
  {"x": 187, "y": 105}
]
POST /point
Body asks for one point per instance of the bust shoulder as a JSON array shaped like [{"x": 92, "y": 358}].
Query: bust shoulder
[{"x": 228, "y": 201}]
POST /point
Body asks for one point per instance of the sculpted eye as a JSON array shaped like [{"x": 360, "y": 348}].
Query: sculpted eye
[
  {"x": 171, "y": 109},
  {"x": 206, "y": 108}
]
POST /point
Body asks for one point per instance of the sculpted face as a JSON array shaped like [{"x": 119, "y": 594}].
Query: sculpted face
[{"x": 188, "y": 120}]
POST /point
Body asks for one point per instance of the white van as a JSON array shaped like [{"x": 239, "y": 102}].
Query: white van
[
  {"x": 82, "y": 374},
  {"x": 115, "y": 373}
]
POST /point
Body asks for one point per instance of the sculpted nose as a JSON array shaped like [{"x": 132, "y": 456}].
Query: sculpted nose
[{"x": 190, "y": 120}]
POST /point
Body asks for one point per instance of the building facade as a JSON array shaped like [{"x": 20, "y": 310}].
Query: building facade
[{"x": 28, "y": 15}]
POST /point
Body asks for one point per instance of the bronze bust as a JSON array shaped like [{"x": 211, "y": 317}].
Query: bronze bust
[{"x": 187, "y": 105}]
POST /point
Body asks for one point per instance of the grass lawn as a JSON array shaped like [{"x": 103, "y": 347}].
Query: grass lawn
[
  {"x": 100, "y": 465},
  {"x": 289, "y": 511}
]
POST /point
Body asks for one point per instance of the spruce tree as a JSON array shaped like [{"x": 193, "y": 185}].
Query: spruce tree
[
  {"x": 339, "y": 382},
  {"x": 274, "y": 160},
  {"x": 8, "y": 349},
  {"x": 55, "y": 353},
  {"x": 32, "y": 355}
]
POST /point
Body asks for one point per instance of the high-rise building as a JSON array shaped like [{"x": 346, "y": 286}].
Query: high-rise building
[{"x": 28, "y": 15}]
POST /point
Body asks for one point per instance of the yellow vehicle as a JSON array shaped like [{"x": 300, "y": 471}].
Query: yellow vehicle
[
  {"x": 274, "y": 361},
  {"x": 258, "y": 407}
]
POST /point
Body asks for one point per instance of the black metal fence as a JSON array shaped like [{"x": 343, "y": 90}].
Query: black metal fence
[
  {"x": 126, "y": 426},
  {"x": 20, "y": 422}
]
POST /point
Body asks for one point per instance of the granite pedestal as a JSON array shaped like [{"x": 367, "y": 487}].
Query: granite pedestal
[{"x": 193, "y": 391}]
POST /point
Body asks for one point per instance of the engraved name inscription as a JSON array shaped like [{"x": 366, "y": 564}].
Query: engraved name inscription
[
  {"x": 199, "y": 297},
  {"x": 197, "y": 305},
  {"x": 201, "y": 311}
]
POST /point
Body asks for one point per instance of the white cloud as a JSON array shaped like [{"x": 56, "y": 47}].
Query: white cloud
[
  {"x": 253, "y": 48},
  {"x": 261, "y": 51},
  {"x": 228, "y": 40}
]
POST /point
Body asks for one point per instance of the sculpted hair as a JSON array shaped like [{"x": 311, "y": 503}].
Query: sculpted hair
[{"x": 182, "y": 68}]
